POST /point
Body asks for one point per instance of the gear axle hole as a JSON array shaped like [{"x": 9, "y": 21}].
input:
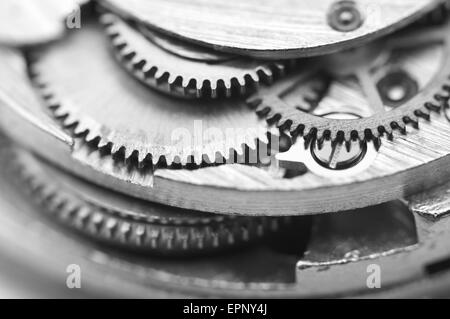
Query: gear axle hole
[
  {"x": 397, "y": 88},
  {"x": 344, "y": 16}
]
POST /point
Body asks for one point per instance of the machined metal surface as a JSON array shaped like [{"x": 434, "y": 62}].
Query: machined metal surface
[
  {"x": 185, "y": 70},
  {"x": 109, "y": 272},
  {"x": 223, "y": 189},
  {"x": 136, "y": 225},
  {"x": 136, "y": 120},
  {"x": 239, "y": 189},
  {"x": 387, "y": 85},
  {"x": 165, "y": 150},
  {"x": 282, "y": 29}
]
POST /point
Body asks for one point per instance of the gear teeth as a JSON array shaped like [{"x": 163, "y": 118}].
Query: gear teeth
[
  {"x": 172, "y": 80},
  {"x": 129, "y": 154},
  {"x": 166, "y": 236},
  {"x": 299, "y": 123},
  {"x": 214, "y": 90},
  {"x": 284, "y": 120},
  {"x": 267, "y": 74},
  {"x": 102, "y": 144},
  {"x": 106, "y": 139},
  {"x": 243, "y": 73},
  {"x": 115, "y": 149},
  {"x": 142, "y": 157},
  {"x": 268, "y": 103},
  {"x": 110, "y": 228},
  {"x": 254, "y": 77},
  {"x": 227, "y": 86}
]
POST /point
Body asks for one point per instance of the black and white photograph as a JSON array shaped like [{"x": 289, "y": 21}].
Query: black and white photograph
[{"x": 224, "y": 155}]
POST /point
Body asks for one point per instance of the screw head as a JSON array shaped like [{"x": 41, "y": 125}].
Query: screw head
[
  {"x": 397, "y": 87},
  {"x": 344, "y": 16}
]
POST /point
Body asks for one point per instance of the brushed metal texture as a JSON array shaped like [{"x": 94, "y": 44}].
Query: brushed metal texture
[{"x": 269, "y": 29}]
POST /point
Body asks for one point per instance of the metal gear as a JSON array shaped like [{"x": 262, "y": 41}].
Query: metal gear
[
  {"x": 183, "y": 69},
  {"x": 331, "y": 261},
  {"x": 129, "y": 223},
  {"x": 386, "y": 85},
  {"x": 279, "y": 30},
  {"x": 226, "y": 189},
  {"x": 129, "y": 120},
  {"x": 229, "y": 189}
]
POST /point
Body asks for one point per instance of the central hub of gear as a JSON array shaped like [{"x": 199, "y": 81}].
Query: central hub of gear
[
  {"x": 336, "y": 156},
  {"x": 344, "y": 16},
  {"x": 397, "y": 87}
]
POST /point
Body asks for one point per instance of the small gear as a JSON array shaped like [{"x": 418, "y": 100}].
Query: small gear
[
  {"x": 185, "y": 70},
  {"x": 122, "y": 118},
  {"x": 117, "y": 219},
  {"x": 388, "y": 85}
]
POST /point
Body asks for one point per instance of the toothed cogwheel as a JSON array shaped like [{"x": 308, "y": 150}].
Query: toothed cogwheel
[
  {"x": 125, "y": 222},
  {"x": 183, "y": 69},
  {"x": 384, "y": 86},
  {"x": 120, "y": 116}
]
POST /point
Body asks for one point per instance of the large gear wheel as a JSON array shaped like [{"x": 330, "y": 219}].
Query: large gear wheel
[
  {"x": 385, "y": 86},
  {"x": 92, "y": 207},
  {"x": 282, "y": 29},
  {"x": 109, "y": 217},
  {"x": 230, "y": 189},
  {"x": 182, "y": 69},
  {"x": 124, "y": 118}
]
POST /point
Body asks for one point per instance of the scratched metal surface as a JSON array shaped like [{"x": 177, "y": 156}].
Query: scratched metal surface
[
  {"x": 269, "y": 29},
  {"x": 27, "y": 238},
  {"x": 103, "y": 99},
  {"x": 402, "y": 167},
  {"x": 422, "y": 263}
]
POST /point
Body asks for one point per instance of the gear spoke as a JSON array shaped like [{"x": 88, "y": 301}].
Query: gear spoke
[
  {"x": 392, "y": 93},
  {"x": 370, "y": 90},
  {"x": 418, "y": 38},
  {"x": 335, "y": 154}
]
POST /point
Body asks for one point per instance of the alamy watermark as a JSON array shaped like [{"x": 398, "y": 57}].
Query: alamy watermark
[
  {"x": 251, "y": 144},
  {"x": 73, "y": 20},
  {"x": 73, "y": 280},
  {"x": 374, "y": 278}
]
